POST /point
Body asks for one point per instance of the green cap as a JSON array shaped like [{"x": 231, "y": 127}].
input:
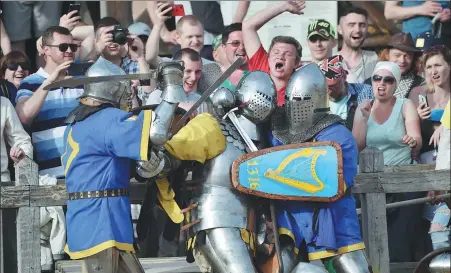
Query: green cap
[{"x": 322, "y": 28}]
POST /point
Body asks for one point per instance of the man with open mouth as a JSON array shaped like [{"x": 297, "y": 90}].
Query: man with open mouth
[
  {"x": 285, "y": 52},
  {"x": 353, "y": 27}
]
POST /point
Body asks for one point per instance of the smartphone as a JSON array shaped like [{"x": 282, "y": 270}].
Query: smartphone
[
  {"x": 423, "y": 99},
  {"x": 178, "y": 10},
  {"x": 78, "y": 69},
  {"x": 76, "y": 7}
]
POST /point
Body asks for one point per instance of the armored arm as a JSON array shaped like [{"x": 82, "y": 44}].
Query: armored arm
[{"x": 160, "y": 164}]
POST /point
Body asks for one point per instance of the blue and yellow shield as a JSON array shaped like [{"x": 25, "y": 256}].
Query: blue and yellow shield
[{"x": 305, "y": 172}]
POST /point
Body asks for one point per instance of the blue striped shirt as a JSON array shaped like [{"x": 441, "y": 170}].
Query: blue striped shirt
[{"x": 47, "y": 128}]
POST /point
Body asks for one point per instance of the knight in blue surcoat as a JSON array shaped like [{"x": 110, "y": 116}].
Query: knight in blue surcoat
[
  {"x": 101, "y": 141},
  {"x": 328, "y": 231}
]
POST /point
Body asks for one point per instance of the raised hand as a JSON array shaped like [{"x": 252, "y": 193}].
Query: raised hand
[
  {"x": 430, "y": 8},
  {"x": 58, "y": 73},
  {"x": 162, "y": 9},
  {"x": 365, "y": 109},
  {"x": 105, "y": 39},
  {"x": 294, "y": 7},
  {"x": 136, "y": 47},
  {"x": 424, "y": 112},
  {"x": 69, "y": 22}
]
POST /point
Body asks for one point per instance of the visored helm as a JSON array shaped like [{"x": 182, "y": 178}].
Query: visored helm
[
  {"x": 256, "y": 96},
  {"x": 306, "y": 98},
  {"x": 117, "y": 93}
]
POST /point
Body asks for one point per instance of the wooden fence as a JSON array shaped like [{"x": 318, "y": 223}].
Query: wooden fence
[{"x": 373, "y": 181}]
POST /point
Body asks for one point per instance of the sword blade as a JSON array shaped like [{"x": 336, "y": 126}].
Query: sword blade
[
  {"x": 74, "y": 82},
  {"x": 233, "y": 118},
  {"x": 208, "y": 92}
]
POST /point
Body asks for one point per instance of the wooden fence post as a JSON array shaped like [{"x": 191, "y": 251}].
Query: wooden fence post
[
  {"x": 374, "y": 215},
  {"x": 28, "y": 218}
]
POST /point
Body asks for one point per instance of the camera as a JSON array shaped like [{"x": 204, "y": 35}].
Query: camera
[{"x": 120, "y": 35}]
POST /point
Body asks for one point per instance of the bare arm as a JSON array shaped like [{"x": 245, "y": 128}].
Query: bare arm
[
  {"x": 250, "y": 27},
  {"x": 5, "y": 43},
  {"x": 241, "y": 11},
  {"x": 360, "y": 126},
  {"x": 153, "y": 46},
  {"x": 28, "y": 108},
  {"x": 165, "y": 34},
  {"x": 412, "y": 123},
  {"x": 392, "y": 10},
  {"x": 87, "y": 36}
]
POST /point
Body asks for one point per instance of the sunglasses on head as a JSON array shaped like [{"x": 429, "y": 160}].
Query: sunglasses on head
[
  {"x": 65, "y": 46},
  {"x": 386, "y": 79},
  {"x": 15, "y": 65}
]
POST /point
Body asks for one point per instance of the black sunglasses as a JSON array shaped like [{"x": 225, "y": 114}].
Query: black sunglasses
[
  {"x": 65, "y": 46},
  {"x": 15, "y": 65},
  {"x": 386, "y": 79}
]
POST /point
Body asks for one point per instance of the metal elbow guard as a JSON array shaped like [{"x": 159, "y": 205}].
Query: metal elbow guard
[{"x": 161, "y": 124}]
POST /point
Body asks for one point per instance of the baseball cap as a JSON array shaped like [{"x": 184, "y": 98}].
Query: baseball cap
[
  {"x": 139, "y": 29},
  {"x": 216, "y": 42},
  {"x": 332, "y": 67},
  {"x": 426, "y": 40},
  {"x": 322, "y": 28}
]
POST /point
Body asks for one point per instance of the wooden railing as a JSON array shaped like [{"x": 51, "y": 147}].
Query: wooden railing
[{"x": 373, "y": 181}]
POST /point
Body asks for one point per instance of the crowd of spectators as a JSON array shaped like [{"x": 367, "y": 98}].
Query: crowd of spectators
[{"x": 392, "y": 100}]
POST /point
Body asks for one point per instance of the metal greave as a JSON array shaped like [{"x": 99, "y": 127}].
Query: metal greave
[{"x": 225, "y": 251}]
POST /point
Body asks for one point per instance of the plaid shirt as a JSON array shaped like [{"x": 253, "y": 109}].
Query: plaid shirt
[
  {"x": 129, "y": 66},
  {"x": 361, "y": 91}
]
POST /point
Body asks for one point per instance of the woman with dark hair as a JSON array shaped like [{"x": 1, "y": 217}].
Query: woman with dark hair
[{"x": 14, "y": 67}]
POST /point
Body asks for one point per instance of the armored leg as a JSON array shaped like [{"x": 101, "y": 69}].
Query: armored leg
[
  {"x": 225, "y": 251},
  {"x": 308, "y": 267},
  {"x": 112, "y": 260},
  {"x": 289, "y": 257},
  {"x": 351, "y": 262},
  {"x": 441, "y": 263}
]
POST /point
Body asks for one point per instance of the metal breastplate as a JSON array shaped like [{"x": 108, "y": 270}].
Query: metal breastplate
[
  {"x": 219, "y": 205},
  {"x": 280, "y": 127}
]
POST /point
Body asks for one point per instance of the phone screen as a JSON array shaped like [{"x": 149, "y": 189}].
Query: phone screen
[{"x": 78, "y": 69}]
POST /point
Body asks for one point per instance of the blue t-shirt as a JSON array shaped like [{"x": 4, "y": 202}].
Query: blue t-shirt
[
  {"x": 97, "y": 157},
  {"x": 419, "y": 24}
]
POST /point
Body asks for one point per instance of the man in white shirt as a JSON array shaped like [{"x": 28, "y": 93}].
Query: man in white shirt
[{"x": 353, "y": 27}]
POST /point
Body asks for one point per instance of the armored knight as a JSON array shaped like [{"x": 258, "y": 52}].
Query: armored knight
[
  {"x": 100, "y": 142},
  {"x": 329, "y": 232},
  {"x": 219, "y": 220}
]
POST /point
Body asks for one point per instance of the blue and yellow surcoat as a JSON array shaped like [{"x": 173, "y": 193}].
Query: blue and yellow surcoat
[
  {"x": 97, "y": 157},
  {"x": 336, "y": 230}
]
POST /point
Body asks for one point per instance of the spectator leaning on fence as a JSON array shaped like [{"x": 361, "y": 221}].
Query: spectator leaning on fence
[
  {"x": 353, "y": 27},
  {"x": 46, "y": 110},
  {"x": 321, "y": 40},
  {"x": 402, "y": 51},
  {"x": 391, "y": 125},
  {"x": 343, "y": 96},
  {"x": 12, "y": 133},
  {"x": 285, "y": 52}
]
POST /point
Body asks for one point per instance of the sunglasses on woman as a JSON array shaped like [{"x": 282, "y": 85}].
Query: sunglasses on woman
[
  {"x": 13, "y": 66},
  {"x": 65, "y": 46},
  {"x": 386, "y": 79}
]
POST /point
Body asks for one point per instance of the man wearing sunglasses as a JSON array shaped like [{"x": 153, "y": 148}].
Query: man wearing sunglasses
[
  {"x": 45, "y": 110},
  {"x": 344, "y": 97},
  {"x": 321, "y": 40}
]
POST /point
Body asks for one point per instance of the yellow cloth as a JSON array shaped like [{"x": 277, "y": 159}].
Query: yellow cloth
[
  {"x": 445, "y": 117},
  {"x": 199, "y": 140}
]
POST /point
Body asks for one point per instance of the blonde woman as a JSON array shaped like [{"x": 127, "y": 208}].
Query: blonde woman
[{"x": 431, "y": 100}]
